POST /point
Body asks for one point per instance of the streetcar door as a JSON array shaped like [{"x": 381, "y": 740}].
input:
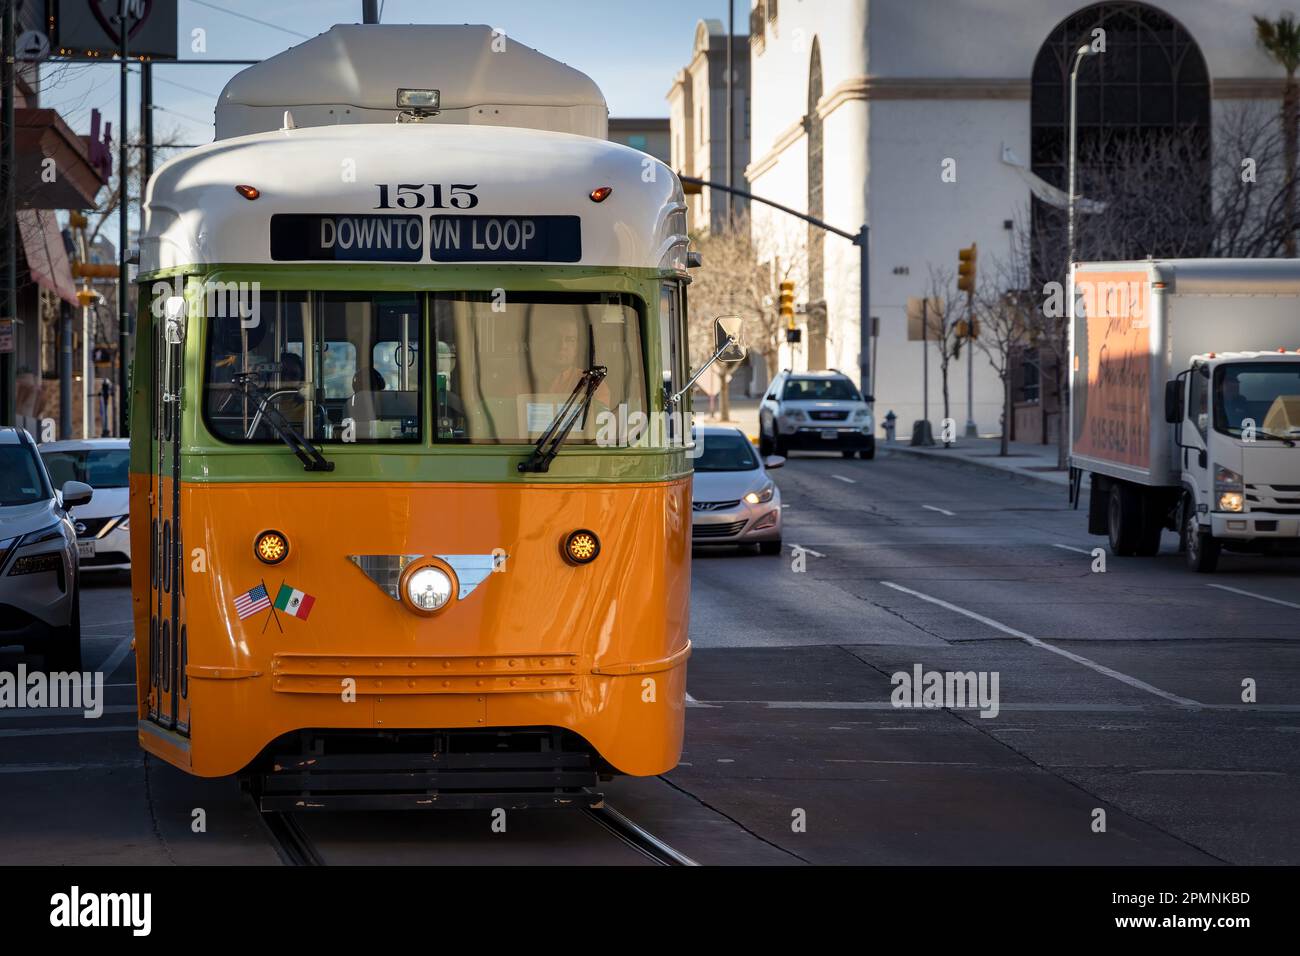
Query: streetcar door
[{"x": 166, "y": 628}]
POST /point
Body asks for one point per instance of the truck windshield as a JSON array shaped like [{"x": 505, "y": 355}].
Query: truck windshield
[{"x": 1265, "y": 395}]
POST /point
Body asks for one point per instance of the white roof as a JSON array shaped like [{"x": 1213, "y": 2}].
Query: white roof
[
  {"x": 351, "y": 74},
  {"x": 1212, "y": 276},
  {"x": 85, "y": 444},
  {"x": 194, "y": 216}
]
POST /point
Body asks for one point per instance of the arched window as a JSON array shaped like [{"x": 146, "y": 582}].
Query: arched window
[{"x": 1144, "y": 103}]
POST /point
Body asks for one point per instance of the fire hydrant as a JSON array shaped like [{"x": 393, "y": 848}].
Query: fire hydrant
[{"x": 890, "y": 421}]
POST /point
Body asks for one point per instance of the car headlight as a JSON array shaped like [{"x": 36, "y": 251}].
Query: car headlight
[
  {"x": 795, "y": 415},
  {"x": 861, "y": 415},
  {"x": 428, "y": 588},
  {"x": 44, "y": 534},
  {"x": 763, "y": 494},
  {"x": 1229, "y": 490}
]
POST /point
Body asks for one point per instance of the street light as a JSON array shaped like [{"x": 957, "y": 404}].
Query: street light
[{"x": 1079, "y": 54}]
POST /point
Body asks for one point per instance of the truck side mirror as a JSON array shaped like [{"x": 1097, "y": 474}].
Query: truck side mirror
[{"x": 1174, "y": 401}]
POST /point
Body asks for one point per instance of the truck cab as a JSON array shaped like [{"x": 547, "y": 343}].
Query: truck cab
[{"x": 1236, "y": 418}]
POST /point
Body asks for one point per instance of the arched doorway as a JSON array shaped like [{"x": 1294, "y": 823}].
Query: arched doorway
[{"x": 1143, "y": 107}]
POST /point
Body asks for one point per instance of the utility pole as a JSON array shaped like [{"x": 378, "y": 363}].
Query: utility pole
[
  {"x": 9, "y": 281},
  {"x": 731, "y": 122},
  {"x": 123, "y": 201},
  {"x": 369, "y": 11}
]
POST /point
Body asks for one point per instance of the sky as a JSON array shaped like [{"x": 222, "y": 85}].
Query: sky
[{"x": 630, "y": 48}]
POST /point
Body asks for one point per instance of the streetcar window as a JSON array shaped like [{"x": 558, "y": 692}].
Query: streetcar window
[
  {"x": 339, "y": 366},
  {"x": 504, "y": 368}
]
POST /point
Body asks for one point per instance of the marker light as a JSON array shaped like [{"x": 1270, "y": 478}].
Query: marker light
[
  {"x": 248, "y": 192},
  {"x": 600, "y": 193},
  {"x": 581, "y": 547},
  {"x": 271, "y": 547},
  {"x": 428, "y": 588}
]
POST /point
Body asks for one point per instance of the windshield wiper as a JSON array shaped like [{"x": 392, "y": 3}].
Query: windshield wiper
[
  {"x": 574, "y": 408},
  {"x": 1286, "y": 439},
  {"x": 309, "y": 454}
]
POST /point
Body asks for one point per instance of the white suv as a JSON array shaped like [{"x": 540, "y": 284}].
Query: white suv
[{"x": 816, "y": 411}]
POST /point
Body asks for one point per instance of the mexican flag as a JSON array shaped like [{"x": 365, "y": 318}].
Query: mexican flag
[{"x": 294, "y": 602}]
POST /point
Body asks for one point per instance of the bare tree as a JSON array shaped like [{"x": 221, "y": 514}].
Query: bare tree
[
  {"x": 1004, "y": 306},
  {"x": 945, "y": 306},
  {"x": 733, "y": 281}
]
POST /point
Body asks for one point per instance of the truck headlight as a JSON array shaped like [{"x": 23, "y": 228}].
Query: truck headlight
[{"x": 1229, "y": 490}]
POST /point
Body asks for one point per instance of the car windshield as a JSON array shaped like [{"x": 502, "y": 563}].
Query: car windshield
[
  {"x": 98, "y": 467},
  {"x": 821, "y": 389},
  {"x": 21, "y": 479},
  {"x": 726, "y": 452},
  {"x": 1266, "y": 394}
]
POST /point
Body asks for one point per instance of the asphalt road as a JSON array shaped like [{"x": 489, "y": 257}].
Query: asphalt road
[{"x": 1119, "y": 695}]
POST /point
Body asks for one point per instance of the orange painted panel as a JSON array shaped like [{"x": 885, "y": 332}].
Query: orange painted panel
[{"x": 1115, "y": 424}]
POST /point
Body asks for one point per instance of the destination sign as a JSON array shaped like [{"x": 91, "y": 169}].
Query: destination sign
[
  {"x": 346, "y": 237},
  {"x": 505, "y": 238}
]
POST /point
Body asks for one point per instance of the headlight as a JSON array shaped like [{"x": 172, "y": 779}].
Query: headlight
[
  {"x": 763, "y": 494},
  {"x": 45, "y": 534},
  {"x": 795, "y": 415},
  {"x": 861, "y": 415},
  {"x": 428, "y": 588},
  {"x": 1229, "y": 490}
]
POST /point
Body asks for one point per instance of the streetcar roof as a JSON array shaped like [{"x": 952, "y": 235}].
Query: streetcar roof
[
  {"x": 195, "y": 217},
  {"x": 352, "y": 73}
]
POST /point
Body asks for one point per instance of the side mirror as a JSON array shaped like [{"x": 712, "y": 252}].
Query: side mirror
[
  {"x": 773, "y": 461},
  {"x": 870, "y": 399},
  {"x": 727, "y": 345},
  {"x": 76, "y": 493},
  {"x": 173, "y": 317},
  {"x": 1174, "y": 401}
]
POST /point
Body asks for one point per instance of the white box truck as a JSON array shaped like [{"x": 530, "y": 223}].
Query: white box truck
[{"x": 1185, "y": 395}]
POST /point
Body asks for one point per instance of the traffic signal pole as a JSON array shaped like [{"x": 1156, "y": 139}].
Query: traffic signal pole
[{"x": 861, "y": 239}]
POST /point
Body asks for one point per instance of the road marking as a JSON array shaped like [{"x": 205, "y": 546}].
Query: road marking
[
  {"x": 849, "y": 481},
  {"x": 61, "y": 767},
  {"x": 1079, "y": 708},
  {"x": 815, "y": 554},
  {"x": 17, "y": 712},
  {"x": 692, "y": 702},
  {"x": 59, "y": 731},
  {"x": 942, "y": 511},
  {"x": 1262, "y": 597},
  {"x": 1213, "y": 773},
  {"x": 116, "y": 657},
  {"x": 1067, "y": 547},
  {"x": 1035, "y": 642}
]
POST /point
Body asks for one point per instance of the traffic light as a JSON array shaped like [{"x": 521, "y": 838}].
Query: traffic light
[
  {"x": 787, "y": 302},
  {"x": 968, "y": 330},
  {"x": 966, "y": 269}
]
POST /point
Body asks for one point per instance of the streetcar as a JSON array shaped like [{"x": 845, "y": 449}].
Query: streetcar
[{"x": 396, "y": 542}]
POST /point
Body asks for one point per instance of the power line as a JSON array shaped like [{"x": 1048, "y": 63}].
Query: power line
[
  {"x": 192, "y": 89},
  {"x": 245, "y": 16}
]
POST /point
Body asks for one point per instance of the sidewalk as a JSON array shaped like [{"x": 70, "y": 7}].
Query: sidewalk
[{"x": 1026, "y": 461}]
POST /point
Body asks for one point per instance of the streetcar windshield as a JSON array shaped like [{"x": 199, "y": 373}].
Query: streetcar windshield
[
  {"x": 505, "y": 365},
  {"x": 339, "y": 366}
]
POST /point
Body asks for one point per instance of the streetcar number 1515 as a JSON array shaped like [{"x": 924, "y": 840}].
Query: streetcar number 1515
[{"x": 427, "y": 196}]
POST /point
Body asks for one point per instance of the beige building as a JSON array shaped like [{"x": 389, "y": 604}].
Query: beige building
[
  {"x": 697, "y": 110},
  {"x": 648, "y": 134}
]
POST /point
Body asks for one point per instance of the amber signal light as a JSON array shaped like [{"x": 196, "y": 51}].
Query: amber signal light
[
  {"x": 581, "y": 547},
  {"x": 248, "y": 192},
  {"x": 271, "y": 547}
]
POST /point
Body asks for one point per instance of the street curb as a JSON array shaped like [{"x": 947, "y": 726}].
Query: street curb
[{"x": 976, "y": 465}]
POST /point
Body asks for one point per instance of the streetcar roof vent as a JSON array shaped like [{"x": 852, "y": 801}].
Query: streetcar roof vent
[{"x": 356, "y": 73}]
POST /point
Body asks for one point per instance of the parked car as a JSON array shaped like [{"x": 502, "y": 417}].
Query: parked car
[
  {"x": 816, "y": 411},
  {"x": 40, "y": 592},
  {"x": 734, "y": 501},
  {"x": 103, "y": 527}
]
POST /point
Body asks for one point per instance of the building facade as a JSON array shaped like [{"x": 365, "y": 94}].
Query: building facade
[
  {"x": 649, "y": 134},
  {"x": 929, "y": 120},
  {"x": 697, "y": 111}
]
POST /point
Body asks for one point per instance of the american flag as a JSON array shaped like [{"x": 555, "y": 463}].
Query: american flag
[{"x": 250, "y": 602}]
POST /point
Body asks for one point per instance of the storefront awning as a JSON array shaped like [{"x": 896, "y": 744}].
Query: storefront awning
[
  {"x": 42, "y": 135},
  {"x": 47, "y": 259}
]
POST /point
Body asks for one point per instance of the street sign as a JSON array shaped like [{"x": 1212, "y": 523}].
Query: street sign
[
  {"x": 6, "y": 335},
  {"x": 91, "y": 28},
  {"x": 33, "y": 46}
]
